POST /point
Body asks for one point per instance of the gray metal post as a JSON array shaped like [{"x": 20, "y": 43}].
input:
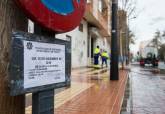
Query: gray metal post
[
  {"x": 43, "y": 102},
  {"x": 114, "y": 74}
]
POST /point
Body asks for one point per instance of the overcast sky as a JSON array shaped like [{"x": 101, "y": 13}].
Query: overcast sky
[{"x": 150, "y": 19}]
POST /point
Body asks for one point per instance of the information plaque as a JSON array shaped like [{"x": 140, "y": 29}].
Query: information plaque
[{"x": 38, "y": 63}]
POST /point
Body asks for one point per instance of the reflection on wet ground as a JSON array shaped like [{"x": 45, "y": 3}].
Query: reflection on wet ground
[
  {"x": 127, "y": 101},
  {"x": 145, "y": 93},
  {"x": 101, "y": 72},
  {"x": 87, "y": 70},
  {"x": 88, "y": 96}
]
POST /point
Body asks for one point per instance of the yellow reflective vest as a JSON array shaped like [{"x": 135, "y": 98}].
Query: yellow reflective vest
[
  {"x": 96, "y": 51},
  {"x": 105, "y": 54}
]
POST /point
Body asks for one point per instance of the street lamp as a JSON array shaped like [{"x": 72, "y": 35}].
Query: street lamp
[{"x": 114, "y": 71}]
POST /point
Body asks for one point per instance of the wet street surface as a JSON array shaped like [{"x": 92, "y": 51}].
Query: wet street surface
[
  {"x": 91, "y": 92},
  {"x": 145, "y": 92}
]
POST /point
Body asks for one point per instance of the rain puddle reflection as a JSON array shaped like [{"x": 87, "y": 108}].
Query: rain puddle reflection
[{"x": 145, "y": 92}]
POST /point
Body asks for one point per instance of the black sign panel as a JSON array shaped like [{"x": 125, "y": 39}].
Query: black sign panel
[{"x": 38, "y": 63}]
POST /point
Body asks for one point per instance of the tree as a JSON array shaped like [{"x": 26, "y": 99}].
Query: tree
[
  {"x": 11, "y": 18},
  {"x": 156, "y": 41},
  {"x": 128, "y": 10},
  {"x": 163, "y": 35},
  {"x": 131, "y": 37},
  {"x": 129, "y": 6},
  {"x": 162, "y": 52}
]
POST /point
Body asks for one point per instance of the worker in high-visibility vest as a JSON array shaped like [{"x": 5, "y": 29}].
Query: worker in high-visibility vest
[
  {"x": 96, "y": 56},
  {"x": 105, "y": 57}
]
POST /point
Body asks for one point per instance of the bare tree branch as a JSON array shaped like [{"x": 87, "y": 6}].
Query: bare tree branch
[{"x": 129, "y": 6}]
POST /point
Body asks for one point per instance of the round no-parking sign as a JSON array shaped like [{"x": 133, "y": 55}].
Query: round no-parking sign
[{"x": 56, "y": 15}]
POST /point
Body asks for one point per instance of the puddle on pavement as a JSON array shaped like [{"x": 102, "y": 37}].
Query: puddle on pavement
[
  {"x": 146, "y": 69},
  {"x": 142, "y": 83},
  {"x": 149, "y": 69},
  {"x": 146, "y": 72},
  {"x": 98, "y": 75},
  {"x": 163, "y": 78},
  {"x": 100, "y": 72},
  {"x": 162, "y": 71},
  {"x": 90, "y": 70}
]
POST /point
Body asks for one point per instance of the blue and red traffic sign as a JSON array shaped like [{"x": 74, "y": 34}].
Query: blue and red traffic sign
[{"x": 56, "y": 15}]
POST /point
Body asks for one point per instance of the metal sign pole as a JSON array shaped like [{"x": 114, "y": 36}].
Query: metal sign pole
[
  {"x": 114, "y": 75},
  {"x": 43, "y": 102}
]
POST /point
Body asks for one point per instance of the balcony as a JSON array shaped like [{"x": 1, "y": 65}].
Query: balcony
[{"x": 98, "y": 18}]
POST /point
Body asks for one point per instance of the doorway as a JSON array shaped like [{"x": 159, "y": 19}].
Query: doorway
[{"x": 93, "y": 45}]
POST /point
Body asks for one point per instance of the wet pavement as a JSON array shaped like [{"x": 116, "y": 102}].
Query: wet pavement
[
  {"x": 145, "y": 92},
  {"x": 161, "y": 65},
  {"x": 91, "y": 92}
]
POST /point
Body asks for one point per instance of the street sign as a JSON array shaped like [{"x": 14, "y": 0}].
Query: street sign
[
  {"x": 56, "y": 15},
  {"x": 38, "y": 63},
  {"x": 44, "y": 63}
]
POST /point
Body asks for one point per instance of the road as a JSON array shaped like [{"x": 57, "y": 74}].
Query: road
[
  {"x": 145, "y": 92},
  {"x": 161, "y": 65}
]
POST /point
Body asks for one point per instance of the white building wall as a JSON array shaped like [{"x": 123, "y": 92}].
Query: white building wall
[{"x": 79, "y": 45}]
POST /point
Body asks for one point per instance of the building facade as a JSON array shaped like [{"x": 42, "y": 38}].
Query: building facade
[
  {"x": 79, "y": 42},
  {"x": 94, "y": 29}
]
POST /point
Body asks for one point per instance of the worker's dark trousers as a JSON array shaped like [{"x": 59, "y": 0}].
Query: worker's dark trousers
[
  {"x": 104, "y": 60},
  {"x": 96, "y": 59}
]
